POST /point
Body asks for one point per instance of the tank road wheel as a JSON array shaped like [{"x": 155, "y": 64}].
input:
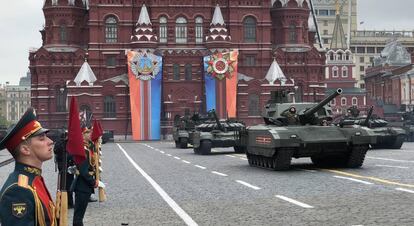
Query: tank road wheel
[
  {"x": 399, "y": 140},
  {"x": 183, "y": 142},
  {"x": 357, "y": 156},
  {"x": 205, "y": 147},
  {"x": 282, "y": 159},
  {"x": 249, "y": 159},
  {"x": 239, "y": 149}
]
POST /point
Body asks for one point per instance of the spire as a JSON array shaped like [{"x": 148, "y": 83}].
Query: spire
[
  {"x": 311, "y": 23},
  {"x": 144, "y": 18},
  {"x": 143, "y": 30},
  {"x": 275, "y": 73},
  {"x": 218, "y": 31},
  {"x": 338, "y": 36},
  {"x": 85, "y": 74},
  {"x": 217, "y": 17}
]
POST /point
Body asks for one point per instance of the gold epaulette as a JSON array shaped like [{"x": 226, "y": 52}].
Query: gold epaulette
[{"x": 23, "y": 181}]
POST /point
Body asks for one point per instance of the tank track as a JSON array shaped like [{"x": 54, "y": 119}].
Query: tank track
[{"x": 280, "y": 161}]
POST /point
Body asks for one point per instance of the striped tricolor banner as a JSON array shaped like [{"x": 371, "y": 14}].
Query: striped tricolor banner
[
  {"x": 220, "y": 73},
  {"x": 145, "y": 77}
]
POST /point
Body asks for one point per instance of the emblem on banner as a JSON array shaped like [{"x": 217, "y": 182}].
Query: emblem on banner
[
  {"x": 221, "y": 66},
  {"x": 145, "y": 66}
]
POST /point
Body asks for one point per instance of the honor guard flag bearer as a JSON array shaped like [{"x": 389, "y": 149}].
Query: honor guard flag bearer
[{"x": 24, "y": 198}]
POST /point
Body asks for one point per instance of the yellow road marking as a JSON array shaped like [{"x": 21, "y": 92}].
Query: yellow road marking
[{"x": 369, "y": 178}]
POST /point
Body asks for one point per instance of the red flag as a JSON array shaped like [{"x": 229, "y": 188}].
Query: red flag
[
  {"x": 96, "y": 131},
  {"x": 75, "y": 140},
  {"x": 100, "y": 128}
]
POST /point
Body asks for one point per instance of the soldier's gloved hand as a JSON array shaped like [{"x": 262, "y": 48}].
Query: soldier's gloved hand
[
  {"x": 96, "y": 184},
  {"x": 101, "y": 184},
  {"x": 72, "y": 169}
]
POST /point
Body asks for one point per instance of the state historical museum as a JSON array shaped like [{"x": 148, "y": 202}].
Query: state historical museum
[{"x": 181, "y": 33}]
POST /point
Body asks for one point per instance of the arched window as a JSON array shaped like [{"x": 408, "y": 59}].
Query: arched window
[
  {"x": 344, "y": 71},
  {"x": 111, "y": 30},
  {"x": 188, "y": 73},
  {"x": 354, "y": 101},
  {"x": 347, "y": 56},
  {"x": 163, "y": 30},
  {"x": 331, "y": 56},
  {"x": 199, "y": 29},
  {"x": 249, "y": 24},
  {"x": 176, "y": 71},
  {"x": 62, "y": 33},
  {"x": 333, "y": 102},
  {"x": 109, "y": 107},
  {"x": 335, "y": 72},
  {"x": 85, "y": 113},
  {"x": 61, "y": 95},
  {"x": 292, "y": 33},
  {"x": 254, "y": 108},
  {"x": 343, "y": 101},
  {"x": 181, "y": 30},
  {"x": 339, "y": 56}
]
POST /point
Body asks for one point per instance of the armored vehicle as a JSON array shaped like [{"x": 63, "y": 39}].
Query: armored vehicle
[
  {"x": 218, "y": 133},
  {"x": 387, "y": 137},
  {"x": 273, "y": 144},
  {"x": 408, "y": 126},
  {"x": 184, "y": 127}
]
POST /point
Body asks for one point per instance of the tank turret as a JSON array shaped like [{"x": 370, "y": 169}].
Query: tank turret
[
  {"x": 308, "y": 115},
  {"x": 277, "y": 113}
]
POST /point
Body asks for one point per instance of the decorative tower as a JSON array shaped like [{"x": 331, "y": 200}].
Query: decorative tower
[
  {"x": 65, "y": 23},
  {"x": 293, "y": 39},
  {"x": 217, "y": 36},
  {"x": 340, "y": 63},
  {"x": 144, "y": 36}
]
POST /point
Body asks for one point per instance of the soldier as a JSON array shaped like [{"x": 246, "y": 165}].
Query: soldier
[
  {"x": 24, "y": 198},
  {"x": 85, "y": 181},
  {"x": 291, "y": 116}
]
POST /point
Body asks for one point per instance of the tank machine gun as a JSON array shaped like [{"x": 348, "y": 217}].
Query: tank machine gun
[
  {"x": 272, "y": 145},
  {"x": 218, "y": 133},
  {"x": 387, "y": 137}
]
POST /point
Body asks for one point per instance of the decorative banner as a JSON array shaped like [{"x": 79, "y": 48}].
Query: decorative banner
[
  {"x": 221, "y": 82},
  {"x": 145, "y": 75}
]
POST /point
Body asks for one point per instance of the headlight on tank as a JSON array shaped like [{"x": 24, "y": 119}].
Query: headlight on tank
[
  {"x": 358, "y": 134},
  {"x": 294, "y": 136}
]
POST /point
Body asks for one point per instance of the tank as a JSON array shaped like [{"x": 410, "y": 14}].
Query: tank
[
  {"x": 184, "y": 127},
  {"x": 387, "y": 137},
  {"x": 408, "y": 125},
  {"x": 217, "y": 133},
  {"x": 273, "y": 145}
]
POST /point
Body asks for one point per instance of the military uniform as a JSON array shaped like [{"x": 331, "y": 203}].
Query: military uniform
[
  {"x": 83, "y": 185},
  {"x": 291, "y": 116},
  {"x": 24, "y": 198}
]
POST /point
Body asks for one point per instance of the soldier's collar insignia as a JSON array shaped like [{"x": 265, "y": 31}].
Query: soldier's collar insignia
[
  {"x": 19, "y": 209},
  {"x": 33, "y": 170}
]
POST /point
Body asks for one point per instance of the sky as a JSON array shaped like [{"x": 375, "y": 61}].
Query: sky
[{"x": 21, "y": 20}]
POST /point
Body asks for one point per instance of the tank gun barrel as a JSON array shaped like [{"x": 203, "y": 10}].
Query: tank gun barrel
[
  {"x": 220, "y": 127},
  {"x": 369, "y": 115},
  {"x": 316, "y": 108}
]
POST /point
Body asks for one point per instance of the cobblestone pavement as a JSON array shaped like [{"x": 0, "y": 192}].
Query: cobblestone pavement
[{"x": 153, "y": 183}]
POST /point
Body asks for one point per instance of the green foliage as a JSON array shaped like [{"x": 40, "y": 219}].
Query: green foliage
[{"x": 3, "y": 122}]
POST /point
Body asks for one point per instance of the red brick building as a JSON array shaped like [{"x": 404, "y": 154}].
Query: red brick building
[
  {"x": 182, "y": 32},
  {"x": 389, "y": 82}
]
